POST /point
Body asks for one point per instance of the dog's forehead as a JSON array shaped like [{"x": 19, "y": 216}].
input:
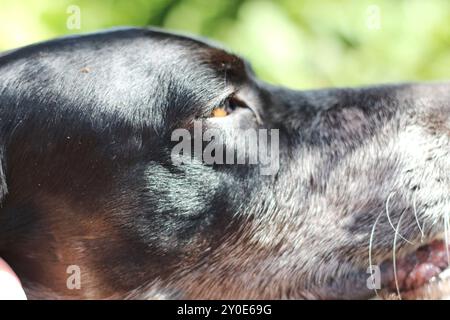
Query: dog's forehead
[
  {"x": 126, "y": 69},
  {"x": 134, "y": 77}
]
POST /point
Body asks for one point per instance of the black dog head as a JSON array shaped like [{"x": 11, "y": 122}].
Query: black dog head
[{"x": 88, "y": 175}]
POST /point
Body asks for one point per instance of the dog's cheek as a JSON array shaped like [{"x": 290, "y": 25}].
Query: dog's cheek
[{"x": 74, "y": 252}]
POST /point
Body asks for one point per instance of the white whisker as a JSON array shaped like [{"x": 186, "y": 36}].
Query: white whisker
[
  {"x": 422, "y": 235},
  {"x": 389, "y": 218},
  {"x": 394, "y": 264},
  {"x": 370, "y": 247},
  {"x": 446, "y": 227}
]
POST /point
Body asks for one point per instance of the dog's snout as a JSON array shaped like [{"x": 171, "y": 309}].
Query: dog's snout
[{"x": 357, "y": 111}]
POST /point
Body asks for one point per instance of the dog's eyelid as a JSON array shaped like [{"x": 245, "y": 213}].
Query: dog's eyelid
[
  {"x": 245, "y": 103},
  {"x": 228, "y": 106}
]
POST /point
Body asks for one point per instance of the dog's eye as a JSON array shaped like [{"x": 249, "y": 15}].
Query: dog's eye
[{"x": 230, "y": 105}]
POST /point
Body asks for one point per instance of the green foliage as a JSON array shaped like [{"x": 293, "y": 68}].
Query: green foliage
[{"x": 300, "y": 43}]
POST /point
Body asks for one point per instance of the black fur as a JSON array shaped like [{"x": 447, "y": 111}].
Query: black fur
[{"x": 87, "y": 179}]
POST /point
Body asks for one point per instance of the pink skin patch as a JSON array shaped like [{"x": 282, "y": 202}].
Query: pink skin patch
[
  {"x": 418, "y": 268},
  {"x": 10, "y": 287}
]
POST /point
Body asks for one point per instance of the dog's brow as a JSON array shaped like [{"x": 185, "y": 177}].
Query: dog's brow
[
  {"x": 229, "y": 64},
  {"x": 229, "y": 90}
]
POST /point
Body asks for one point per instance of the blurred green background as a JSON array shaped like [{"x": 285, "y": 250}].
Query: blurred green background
[{"x": 302, "y": 44}]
